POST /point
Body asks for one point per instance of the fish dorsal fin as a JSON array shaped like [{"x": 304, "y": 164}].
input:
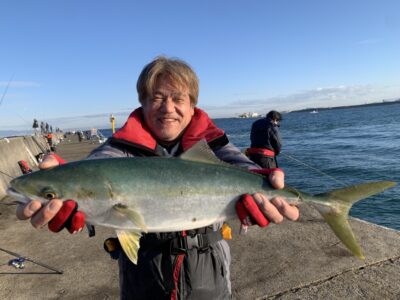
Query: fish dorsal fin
[
  {"x": 129, "y": 241},
  {"x": 201, "y": 152}
]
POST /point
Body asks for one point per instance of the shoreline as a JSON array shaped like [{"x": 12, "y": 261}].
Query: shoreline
[{"x": 347, "y": 106}]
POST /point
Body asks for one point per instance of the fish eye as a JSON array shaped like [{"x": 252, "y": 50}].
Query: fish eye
[{"x": 48, "y": 194}]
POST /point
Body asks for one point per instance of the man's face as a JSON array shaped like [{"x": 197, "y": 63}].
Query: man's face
[{"x": 168, "y": 111}]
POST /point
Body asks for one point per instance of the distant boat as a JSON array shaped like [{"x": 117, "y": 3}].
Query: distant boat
[
  {"x": 314, "y": 111},
  {"x": 249, "y": 115}
]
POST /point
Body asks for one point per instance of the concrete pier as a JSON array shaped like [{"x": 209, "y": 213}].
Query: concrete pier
[
  {"x": 295, "y": 260},
  {"x": 14, "y": 149}
]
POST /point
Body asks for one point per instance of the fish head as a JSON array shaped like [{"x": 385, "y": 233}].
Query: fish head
[
  {"x": 35, "y": 186},
  {"x": 63, "y": 182}
]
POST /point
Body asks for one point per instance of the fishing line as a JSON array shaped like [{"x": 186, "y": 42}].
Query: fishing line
[
  {"x": 23, "y": 119},
  {"x": 314, "y": 169},
  {"x": 370, "y": 172},
  {"x": 4, "y": 173}
]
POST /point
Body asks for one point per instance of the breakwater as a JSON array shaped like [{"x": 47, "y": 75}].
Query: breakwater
[{"x": 15, "y": 149}]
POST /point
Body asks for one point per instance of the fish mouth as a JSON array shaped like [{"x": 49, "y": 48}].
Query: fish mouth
[{"x": 18, "y": 197}]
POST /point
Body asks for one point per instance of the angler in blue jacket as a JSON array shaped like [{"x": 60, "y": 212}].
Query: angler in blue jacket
[{"x": 266, "y": 142}]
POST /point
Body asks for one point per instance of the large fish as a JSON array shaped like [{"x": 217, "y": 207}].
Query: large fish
[{"x": 154, "y": 194}]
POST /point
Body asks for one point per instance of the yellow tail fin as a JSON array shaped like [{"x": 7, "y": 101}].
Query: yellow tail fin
[{"x": 338, "y": 206}]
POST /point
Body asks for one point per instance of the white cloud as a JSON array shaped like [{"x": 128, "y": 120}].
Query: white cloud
[
  {"x": 101, "y": 120},
  {"x": 318, "y": 97}
]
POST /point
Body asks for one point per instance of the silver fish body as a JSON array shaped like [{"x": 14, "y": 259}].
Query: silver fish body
[
  {"x": 171, "y": 194},
  {"x": 155, "y": 194}
]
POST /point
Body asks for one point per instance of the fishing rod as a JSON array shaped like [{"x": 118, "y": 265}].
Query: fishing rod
[
  {"x": 22, "y": 258},
  {"x": 4, "y": 173},
  {"x": 6, "y": 89},
  {"x": 4, "y": 94}
]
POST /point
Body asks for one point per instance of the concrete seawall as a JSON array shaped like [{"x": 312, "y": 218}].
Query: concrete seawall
[
  {"x": 294, "y": 260},
  {"x": 14, "y": 149}
]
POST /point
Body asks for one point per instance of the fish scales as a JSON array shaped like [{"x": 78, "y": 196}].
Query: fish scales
[{"x": 156, "y": 194}]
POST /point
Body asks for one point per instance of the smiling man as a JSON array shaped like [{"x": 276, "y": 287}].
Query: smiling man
[
  {"x": 171, "y": 265},
  {"x": 168, "y": 111}
]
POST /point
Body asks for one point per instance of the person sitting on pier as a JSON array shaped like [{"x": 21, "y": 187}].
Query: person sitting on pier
[{"x": 168, "y": 123}]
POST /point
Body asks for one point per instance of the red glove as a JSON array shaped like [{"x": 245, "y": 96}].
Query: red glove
[
  {"x": 58, "y": 158},
  {"x": 68, "y": 217},
  {"x": 249, "y": 213}
]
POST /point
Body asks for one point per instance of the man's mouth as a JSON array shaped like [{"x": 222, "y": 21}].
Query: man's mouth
[{"x": 167, "y": 120}]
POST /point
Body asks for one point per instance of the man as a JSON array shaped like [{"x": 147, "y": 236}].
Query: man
[
  {"x": 167, "y": 124},
  {"x": 35, "y": 126},
  {"x": 50, "y": 141},
  {"x": 265, "y": 140}
]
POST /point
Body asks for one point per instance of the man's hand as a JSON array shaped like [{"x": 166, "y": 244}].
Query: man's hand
[
  {"x": 68, "y": 217},
  {"x": 56, "y": 213},
  {"x": 275, "y": 176},
  {"x": 258, "y": 209},
  {"x": 50, "y": 161}
]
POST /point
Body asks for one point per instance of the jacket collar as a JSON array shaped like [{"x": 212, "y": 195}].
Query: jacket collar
[{"x": 135, "y": 130}]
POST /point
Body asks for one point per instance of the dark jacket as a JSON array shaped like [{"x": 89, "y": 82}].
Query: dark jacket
[
  {"x": 200, "y": 274},
  {"x": 265, "y": 134}
]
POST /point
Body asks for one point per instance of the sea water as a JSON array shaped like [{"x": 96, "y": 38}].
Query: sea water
[{"x": 337, "y": 147}]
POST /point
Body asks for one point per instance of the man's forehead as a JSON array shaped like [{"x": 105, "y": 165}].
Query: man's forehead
[
  {"x": 169, "y": 87},
  {"x": 166, "y": 91}
]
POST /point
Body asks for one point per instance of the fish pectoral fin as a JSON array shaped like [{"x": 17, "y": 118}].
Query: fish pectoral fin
[
  {"x": 135, "y": 217},
  {"x": 129, "y": 241}
]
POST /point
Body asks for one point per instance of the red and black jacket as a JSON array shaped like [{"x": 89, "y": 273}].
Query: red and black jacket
[{"x": 136, "y": 137}]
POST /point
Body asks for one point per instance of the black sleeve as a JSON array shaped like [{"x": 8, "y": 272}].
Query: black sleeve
[{"x": 275, "y": 140}]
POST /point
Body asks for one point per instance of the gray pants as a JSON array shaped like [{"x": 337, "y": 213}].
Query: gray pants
[
  {"x": 203, "y": 275},
  {"x": 266, "y": 162}
]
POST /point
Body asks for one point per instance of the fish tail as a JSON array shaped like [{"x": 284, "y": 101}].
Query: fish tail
[{"x": 340, "y": 202}]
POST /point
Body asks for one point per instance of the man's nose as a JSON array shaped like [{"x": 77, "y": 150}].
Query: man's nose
[{"x": 168, "y": 104}]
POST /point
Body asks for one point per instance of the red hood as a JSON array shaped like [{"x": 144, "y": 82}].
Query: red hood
[{"x": 200, "y": 127}]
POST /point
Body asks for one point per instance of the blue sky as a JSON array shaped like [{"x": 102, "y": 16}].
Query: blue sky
[{"x": 73, "y": 63}]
